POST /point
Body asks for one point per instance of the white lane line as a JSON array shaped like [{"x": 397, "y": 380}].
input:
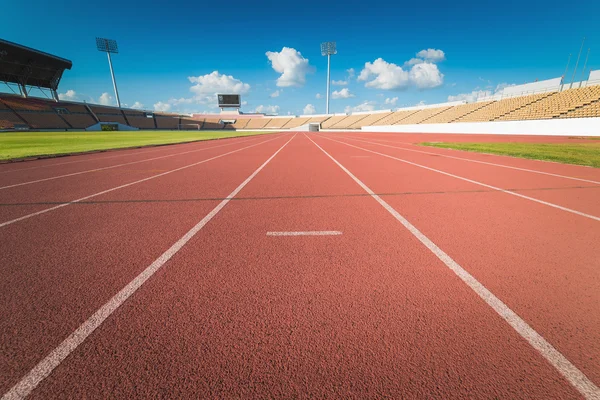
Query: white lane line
[
  {"x": 577, "y": 378},
  {"x": 472, "y": 181},
  {"x": 97, "y": 158},
  {"x": 470, "y": 160},
  {"x": 115, "y": 166},
  {"x": 305, "y": 233},
  {"x": 126, "y": 185},
  {"x": 45, "y": 367}
]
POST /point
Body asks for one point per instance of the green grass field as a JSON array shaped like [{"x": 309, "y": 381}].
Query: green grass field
[
  {"x": 580, "y": 153},
  {"x": 14, "y": 145}
]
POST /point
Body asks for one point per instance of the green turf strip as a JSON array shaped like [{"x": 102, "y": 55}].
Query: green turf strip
[
  {"x": 14, "y": 145},
  {"x": 580, "y": 153}
]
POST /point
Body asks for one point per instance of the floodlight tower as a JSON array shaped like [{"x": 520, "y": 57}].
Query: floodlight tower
[
  {"x": 328, "y": 49},
  {"x": 109, "y": 46}
]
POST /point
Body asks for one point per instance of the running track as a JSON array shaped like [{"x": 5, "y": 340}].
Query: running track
[{"x": 186, "y": 271}]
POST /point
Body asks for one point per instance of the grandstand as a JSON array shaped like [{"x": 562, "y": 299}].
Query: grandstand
[{"x": 544, "y": 100}]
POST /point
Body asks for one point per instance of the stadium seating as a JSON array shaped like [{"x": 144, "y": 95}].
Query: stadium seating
[
  {"x": 395, "y": 117},
  {"x": 350, "y": 120},
  {"x": 421, "y": 115},
  {"x": 327, "y": 124},
  {"x": 44, "y": 120},
  {"x": 79, "y": 121},
  {"x": 296, "y": 122},
  {"x": 72, "y": 108},
  {"x": 556, "y": 104},
  {"x": 21, "y": 104},
  {"x": 141, "y": 122},
  {"x": 257, "y": 123},
  {"x": 240, "y": 123},
  {"x": 591, "y": 110},
  {"x": 277, "y": 123},
  {"x": 167, "y": 121},
  {"x": 8, "y": 119},
  {"x": 369, "y": 119},
  {"x": 502, "y": 107},
  {"x": 456, "y": 112},
  {"x": 211, "y": 123}
]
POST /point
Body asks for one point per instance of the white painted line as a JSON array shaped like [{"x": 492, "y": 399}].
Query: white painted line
[
  {"x": 305, "y": 233},
  {"x": 472, "y": 181},
  {"x": 126, "y": 185},
  {"x": 474, "y": 161},
  {"x": 45, "y": 367},
  {"x": 577, "y": 378},
  {"x": 96, "y": 157},
  {"x": 114, "y": 166}
]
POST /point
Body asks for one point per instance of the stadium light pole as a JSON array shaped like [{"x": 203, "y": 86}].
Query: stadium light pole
[
  {"x": 109, "y": 46},
  {"x": 328, "y": 49},
  {"x": 576, "y": 64},
  {"x": 584, "y": 66}
]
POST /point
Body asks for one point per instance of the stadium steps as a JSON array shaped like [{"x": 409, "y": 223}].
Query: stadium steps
[
  {"x": 125, "y": 116},
  {"x": 434, "y": 115},
  {"x": 497, "y": 118},
  {"x": 92, "y": 113},
  {"x": 65, "y": 121},
  {"x": 485, "y": 104}
]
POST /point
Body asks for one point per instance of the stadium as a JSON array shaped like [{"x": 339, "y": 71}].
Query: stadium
[{"x": 361, "y": 243}]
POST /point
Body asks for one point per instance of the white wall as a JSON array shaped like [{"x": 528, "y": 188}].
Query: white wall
[{"x": 553, "y": 127}]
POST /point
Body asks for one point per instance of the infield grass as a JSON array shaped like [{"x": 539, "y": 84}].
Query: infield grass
[
  {"x": 580, "y": 153},
  {"x": 14, "y": 145}
]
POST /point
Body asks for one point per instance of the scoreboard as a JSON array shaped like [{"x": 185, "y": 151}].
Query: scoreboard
[{"x": 229, "y": 100}]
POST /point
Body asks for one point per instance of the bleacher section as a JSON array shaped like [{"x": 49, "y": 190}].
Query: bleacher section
[
  {"x": 456, "y": 112},
  {"x": 421, "y": 115},
  {"x": 591, "y": 110},
  {"x": 556, "y": 104},
  {"x": 17, "y": 112},
  {"x": 277, "y": 123},
  {"x": 328, "y": 123},
  {"x": 502, "y": 107},
  {"x": 369, "y": 120}
]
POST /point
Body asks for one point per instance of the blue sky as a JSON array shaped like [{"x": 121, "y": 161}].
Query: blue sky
[{"x": 169, "y": 52}]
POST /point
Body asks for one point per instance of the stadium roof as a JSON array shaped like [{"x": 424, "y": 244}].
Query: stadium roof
[{"x": 30, "y": 67}]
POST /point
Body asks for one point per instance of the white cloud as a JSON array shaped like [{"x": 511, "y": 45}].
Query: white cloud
[
  {"x": 339, "y": 83},
  {"x": 366, "y": 106},
  {"x": 309, "y": 109},
  {"x": 426, "y": 76},
  {"x": 470, "y": 97},
  {"x": 414, "y": 61},
  {"x": 275, "y": 94},
  {"x": 160, "y": 106},
  {"x": 392, "y": 101},
  {"x": 421, "y": 103},
  {"x": 318, "y": 96},
  {"x": 105, "y": 99},
  {"x": 68, "y": 95},
  {"x": 137, "y": 105},
  {"x": 292, "y": 66},
  {"x": 342, "y": 94},
  {"x": 386, "y": 75},
  {"x": 244, "y": 102},
  {"x": 432, "y": 55},
  {"x": 267, "y": 109},
  {"x": 351, "y": 73},
  {"x": 207, "y": 86}
]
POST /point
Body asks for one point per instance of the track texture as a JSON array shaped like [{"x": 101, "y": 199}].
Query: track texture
[{"x": 236, "y": 313}]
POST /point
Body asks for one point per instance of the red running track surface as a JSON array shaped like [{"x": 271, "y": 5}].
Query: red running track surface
[{"x": 237, "y": 313}]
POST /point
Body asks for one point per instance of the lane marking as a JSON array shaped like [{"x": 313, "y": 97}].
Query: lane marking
[
  {"x": 113, "y": 166},
  {"x": 472, "y": 181},
  {"x": 3, "y": 224},
  {"x": 577, "y": 378},
  {"x": 471, "y": 160},
  {"x": 45, "y": 367},
  {"x": 305, "y": 233}
]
